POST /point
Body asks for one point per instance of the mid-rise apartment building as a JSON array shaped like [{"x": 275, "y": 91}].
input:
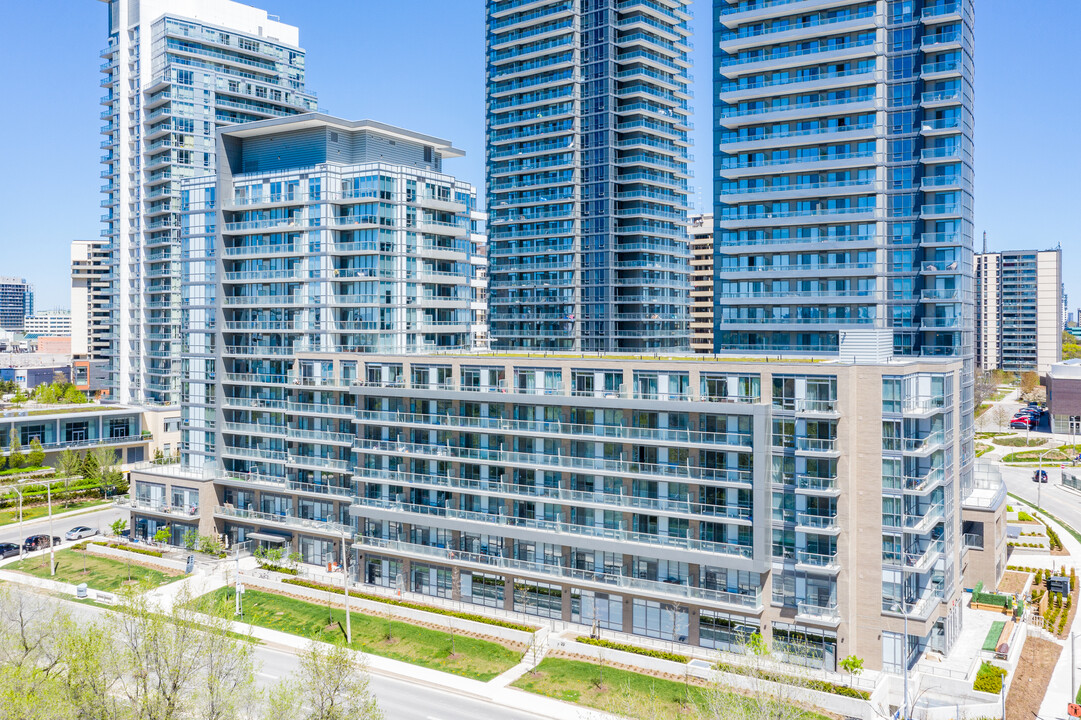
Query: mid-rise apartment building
[
  {"x": 16, "y": 303},
  {"x": 53, "y": 323},
  {"x": 1019, "y": 310},
  {"x": 588, "y": 121},
  {"x": 688, "y": 500},
  {"x": 174, "y": 71},
  {"x": 701, "y": 231},
  {"x": 92, "y": 316},
  {"x": 354, "y": 241}
]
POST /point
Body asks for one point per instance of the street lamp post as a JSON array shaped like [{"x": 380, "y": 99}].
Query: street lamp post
[
  {"x": 345, "y": 582},
  {"x": 52, "y": 549}
]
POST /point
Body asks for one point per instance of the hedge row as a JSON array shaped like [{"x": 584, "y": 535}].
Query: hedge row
[
  {"x": 276, "y": 568},
  {"x": 819, "y": 685},
  {"x": 411, "y": 606},
  {"x": 131, "y": 549},
  {"x": 659, "y": 654}
]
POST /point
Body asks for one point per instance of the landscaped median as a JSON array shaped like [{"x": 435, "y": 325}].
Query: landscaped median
[{"x": 386, "y": 636}]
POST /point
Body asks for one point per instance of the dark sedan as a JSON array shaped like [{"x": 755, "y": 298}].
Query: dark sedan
[
  {"x": 8, "y": 550},
  {"x": 37, "y": 542}
]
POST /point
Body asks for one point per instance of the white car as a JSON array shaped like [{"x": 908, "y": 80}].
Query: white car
[{"x": 80, "y": 532}]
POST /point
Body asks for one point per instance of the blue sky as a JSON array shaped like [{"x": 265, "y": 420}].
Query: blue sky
[{"x": 420, "y": 64}]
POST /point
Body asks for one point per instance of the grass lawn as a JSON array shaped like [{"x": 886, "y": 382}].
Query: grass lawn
[
  {"x": 623, "y": 692},
  {"x": 991, "y": 641},
  {"x": 981, "y": 449},
  {"x": 24, "y": 470},
  {"x": 102, "y": 573},
  {"x": 11, "y": 515},
  {"x": 473, "y": 658},
  {"x": 1019, "y": 441},
  {"x": 1053, "y": 456}
]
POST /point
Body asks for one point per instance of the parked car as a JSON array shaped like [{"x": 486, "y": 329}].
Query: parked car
[
  {"x": 1039, "y": 476},
  {"x": 8, "y": 550},
  {"x": 1031, "y": 412},
  {"x": 1022, "y": 423},
  {"x": 80, "y": 532},
  {"x": 37, "y": 542}
]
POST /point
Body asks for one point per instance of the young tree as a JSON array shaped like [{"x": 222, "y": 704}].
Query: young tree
[
  {"x": 1029, "y": 382},
  {"x": 163, "y": 535},
  {"x": 1001, "y": 416},
  {"x": 330, "y": 684},
  {"x": 118, "y": 526},
  {"x": 70, "y": 463},
  {"x": 36, "y": 457},
  {"x": 15, "y": 454},
  {"x": 852, "y": 665},
  {"x": 763, "y": 698},
  {"x": 106, "y": 460}
]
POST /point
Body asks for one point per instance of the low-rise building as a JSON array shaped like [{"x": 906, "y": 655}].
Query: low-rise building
[{"x": 1063, "y": 384}]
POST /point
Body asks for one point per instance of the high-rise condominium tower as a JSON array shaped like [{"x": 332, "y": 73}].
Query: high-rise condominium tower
[
  {"x": 174, "y": 71},
  {"x": 1019, "y": 310},
  {"x": 844, "y": 229},
  {"x": 587, "y": 173}
]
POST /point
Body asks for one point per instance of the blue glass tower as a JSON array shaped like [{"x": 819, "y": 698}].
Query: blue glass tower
[{"x": 587, "y": 174}]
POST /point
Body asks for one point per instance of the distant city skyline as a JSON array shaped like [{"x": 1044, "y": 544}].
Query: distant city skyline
[{"x": 1022, "y": 198}]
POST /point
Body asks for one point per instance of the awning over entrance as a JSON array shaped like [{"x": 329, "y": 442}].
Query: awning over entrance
[{"x": 266, "y": 537}]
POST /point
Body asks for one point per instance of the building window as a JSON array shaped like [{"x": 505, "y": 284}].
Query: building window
[{"x": 657, "y": 620}]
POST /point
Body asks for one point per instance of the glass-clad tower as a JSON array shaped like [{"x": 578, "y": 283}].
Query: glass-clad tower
[
  {"x": 843, "y": 197},
  {"x": 587, "y": 173},
  {"x": 174, "y": 71}
]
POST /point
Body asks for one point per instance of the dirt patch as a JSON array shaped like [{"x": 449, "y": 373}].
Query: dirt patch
[
  {"x": 1013, "y": 582},
  {"x": 1034, "y": 669}
]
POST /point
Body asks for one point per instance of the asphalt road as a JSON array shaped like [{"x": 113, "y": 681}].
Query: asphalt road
[
  {"x": 1051, "y": 496},
  {"x": 399, "y": 699},
  {"x": 100, "y": 519}
]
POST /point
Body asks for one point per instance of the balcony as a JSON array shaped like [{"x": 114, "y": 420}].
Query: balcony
[
  {"x": 817, "y": 524},
  {"x": 303, "y": 525},
  {"x": 599, "y": 537},
  {"x": 817, "y": 561},
  {"x": 828, "y": 614},
  {"x": 549, "y": 572},
  {"x": 806, "y": 484},
  {"x": 824, "y": 446},
  {"x": 571, "y": 463}
]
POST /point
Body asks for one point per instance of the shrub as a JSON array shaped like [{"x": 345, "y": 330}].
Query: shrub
[
  {"x": 36, "y": 456},
  {"x": 410, "y": 605},
  {"x": 131, "y": 549},
  {"x": 659, "y": 654},
  {"x": 1023, "y": 516},
  {"x": 278, "y": 568},
  {"x": 819, "y": 685},
  {"x": 989, "y": 678}
]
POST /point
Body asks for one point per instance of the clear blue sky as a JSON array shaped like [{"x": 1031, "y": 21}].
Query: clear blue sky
[{"x": 420, "y": 64}]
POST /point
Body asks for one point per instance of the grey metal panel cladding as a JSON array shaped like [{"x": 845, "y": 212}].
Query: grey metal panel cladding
[{"x": 300, "y": 148}]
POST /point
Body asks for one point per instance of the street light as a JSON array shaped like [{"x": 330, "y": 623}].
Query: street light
[{"x": 1039, "y": 478}]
